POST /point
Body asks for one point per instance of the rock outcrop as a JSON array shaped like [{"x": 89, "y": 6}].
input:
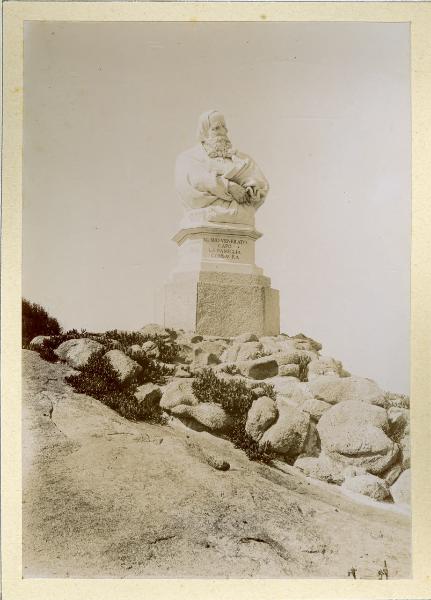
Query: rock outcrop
[
  {"x": 262, "y": 414},
  {"x": 354, "y": 433},
  {"x": 176, "y": 393},
  {"x": 126, "y": 367},
  {"x": 76, "y": 352},
  {"x": 289, "y": 433},
  {"x": 332, "y": 389}
]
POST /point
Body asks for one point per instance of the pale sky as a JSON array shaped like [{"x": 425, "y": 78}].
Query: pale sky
[{"x": 323, "y": 108}]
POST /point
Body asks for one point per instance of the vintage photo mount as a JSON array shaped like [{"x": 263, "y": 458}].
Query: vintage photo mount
[{"x": 14, "y": 587}]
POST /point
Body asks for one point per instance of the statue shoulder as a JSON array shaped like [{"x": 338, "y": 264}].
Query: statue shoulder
[{"x": 194, "y": 153}]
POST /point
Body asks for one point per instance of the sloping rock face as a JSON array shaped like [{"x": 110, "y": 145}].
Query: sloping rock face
[
  {"x": 77, "y": 352},
  {"x": 289, "y": 433},
  {"x": 333, "y": 389},
  {"x": 262, "y": 414},
  {"x": 107, "y": 497},
  {"x": 123, "y": 364},
  {"x": 354, "y": 433}
]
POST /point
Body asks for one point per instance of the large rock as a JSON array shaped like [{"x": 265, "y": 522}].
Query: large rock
[
  {"x": 216, "y": 347},
  {"x": 401, "y": 491},
  {"x": 185, "y": 353},
  {"x": 154, "y": 329},
  {"x": 208, "y": 414},
  {"x": 358, "y": 413},
  {"x": 148, "y": 395},
  {"x": 326, "y": 469},
  {"x": 289, "y": 433},
  {"x": 202, "y": 358},
  {"x": 289, "y": 370},
  {"x": 123, "y": 364},
  {"x": 37, "y": 342},
  {"x": 302, "y": 342},
  {"x": 240, "y": 351},
  {"x": 284, "y": 385},
  {"x": 249, "y": 351},
  {"x": 270, "y": 344},
  {"x": 368, "y": 485},
  {"x": 262, "y": 414},
  {"x": 292, "y": 356},
  {"x": 354, "y": 433},
  {"x": 324, "y": 366},
  {"x": 176, "y": 393},
  {"x": 261, "y": 368},
  {"x": 151, "y": 349},
  {"x": 332, "y": 389},
  {"x": 246, "y": 337},
  {"x": 315, "y": 408},
  {"x": 335, "y": 389},
  {"x": 77, "y": 352}
]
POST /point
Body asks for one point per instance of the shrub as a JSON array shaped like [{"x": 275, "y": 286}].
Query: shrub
[
  {"x": 99, "y": 379},
  {"x": 236, "y": 399},
  {"x": 264, "y": 389},
  {"x": 152, "y": 371},
  {"x": 230, "y": 370},
  {"x": 398, "y": 400},
  {"x": 303, "y": 367},
  {"x": 36, "y": 321}
]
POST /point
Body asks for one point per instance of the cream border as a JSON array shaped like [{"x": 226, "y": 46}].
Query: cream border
[{"x": 14, "y": 587}]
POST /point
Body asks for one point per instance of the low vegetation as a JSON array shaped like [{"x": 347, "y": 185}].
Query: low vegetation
[
  {"x": 236, "y": 398},
  {"x": 100, "y": 380}
]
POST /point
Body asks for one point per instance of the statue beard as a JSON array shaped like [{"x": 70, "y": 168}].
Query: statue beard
[{"x": 218, "y": 147}]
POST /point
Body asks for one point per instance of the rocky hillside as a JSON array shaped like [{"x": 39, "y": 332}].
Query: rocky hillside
[{"x": 107, "y": 496}]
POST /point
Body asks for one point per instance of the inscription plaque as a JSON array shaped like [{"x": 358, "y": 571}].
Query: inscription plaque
[{"x": 225, "y": 248}]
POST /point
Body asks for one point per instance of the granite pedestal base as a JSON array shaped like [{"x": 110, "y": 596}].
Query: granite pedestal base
[{"x": 224, "y": 304}]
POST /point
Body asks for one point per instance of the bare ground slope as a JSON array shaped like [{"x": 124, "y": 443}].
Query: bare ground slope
[{"x": 106, "y": 497}]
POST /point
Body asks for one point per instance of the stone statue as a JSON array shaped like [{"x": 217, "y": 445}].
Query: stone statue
[{"x": 216, "y": 183}]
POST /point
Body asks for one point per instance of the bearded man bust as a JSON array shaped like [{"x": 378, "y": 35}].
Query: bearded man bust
[{"x": 216, "y": 183}]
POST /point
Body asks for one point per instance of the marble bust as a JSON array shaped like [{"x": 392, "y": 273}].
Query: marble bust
[{"x": 217, "y": 184}]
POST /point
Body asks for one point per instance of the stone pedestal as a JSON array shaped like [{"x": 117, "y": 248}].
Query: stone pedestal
[{"x": 216, "y": 288}]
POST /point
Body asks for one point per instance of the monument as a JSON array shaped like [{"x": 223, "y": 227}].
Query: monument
[{"x": 216, "y": 288}]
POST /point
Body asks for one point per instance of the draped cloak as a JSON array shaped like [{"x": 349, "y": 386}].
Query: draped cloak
[{"x": 202, "y": 184}]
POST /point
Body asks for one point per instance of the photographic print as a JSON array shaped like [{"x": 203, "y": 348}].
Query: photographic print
[{"x": 216, "y": 234}]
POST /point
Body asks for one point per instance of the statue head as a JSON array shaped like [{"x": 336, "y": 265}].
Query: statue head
[{"x": 212, "y": 133}]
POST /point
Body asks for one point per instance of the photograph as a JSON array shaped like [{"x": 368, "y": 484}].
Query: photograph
[{"x": 216, "y": 311}]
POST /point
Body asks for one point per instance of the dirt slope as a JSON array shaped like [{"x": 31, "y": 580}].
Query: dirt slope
[{"x": 105, "y": 497}]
